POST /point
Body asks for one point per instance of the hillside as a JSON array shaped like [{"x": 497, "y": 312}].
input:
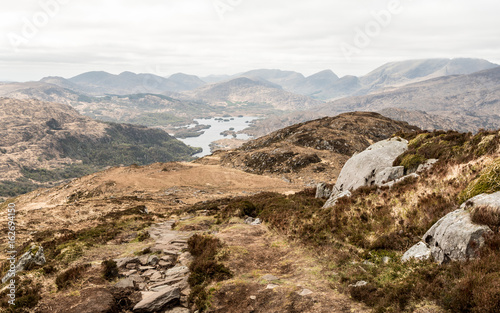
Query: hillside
[
  {"x": 459, "y": 121},
  {"x": 40, "y": 91},
  {"x": 310, "y": 152},
  {"x": 114, "y": 239},
  {"x": 452, "y": 97},
  {"x": 248, "y": 92},
  {"x": 43, "y": 143}
]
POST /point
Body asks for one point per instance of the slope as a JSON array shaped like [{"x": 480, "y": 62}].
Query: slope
[
  {"x": 310, "y": 152},
  {"x": 478, "y": 93},
  {"x": 42, "y": 143}
]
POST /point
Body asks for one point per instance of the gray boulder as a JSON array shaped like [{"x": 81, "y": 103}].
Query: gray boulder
[
  {"x": 420, "y": 251},
  {"x": 392, "y": 183},
  {"x": 155, "y": 301},
  {"x": 322, "y": 191},
  {"x": 122, "y": 262},
  {"x": 454, "y": 237},
  {"x": 370, "y": 167}
]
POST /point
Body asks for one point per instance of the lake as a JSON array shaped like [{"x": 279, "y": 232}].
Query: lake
[{"x": 213, "y": 133}]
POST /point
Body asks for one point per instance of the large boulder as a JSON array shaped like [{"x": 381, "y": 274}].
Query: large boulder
[
  {"x": 373, "y": 166},
  {"x": 454, "y": 237}
]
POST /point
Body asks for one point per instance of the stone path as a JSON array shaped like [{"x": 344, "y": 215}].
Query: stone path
[{"x": 161, "y": 275}]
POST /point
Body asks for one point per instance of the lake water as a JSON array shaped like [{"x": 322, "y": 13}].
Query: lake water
[{"x": 213, "y": 133}]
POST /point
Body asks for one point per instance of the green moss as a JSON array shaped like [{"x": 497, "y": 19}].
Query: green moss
[
  {"x": 488, "y": 182},
  {"x": 412, "y": 161},
  {"x": 418, "y": 140}
]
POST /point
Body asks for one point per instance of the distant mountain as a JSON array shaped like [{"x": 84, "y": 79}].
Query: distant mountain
[
  {"x": 102, "y": 83},
  {"x": 211, "y": 79},
  {"x": 289, "y": 80},
  {"x": 43, "y": 142},
  {"x": 188, "y": 82},
  {"x": 397, "y": 74},
  {"x": 458, "y": 97},
  {"x": 244, "y": 91}
]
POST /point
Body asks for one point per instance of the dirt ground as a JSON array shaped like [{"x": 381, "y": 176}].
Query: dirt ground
[
  {"x": 252, "y": 252},
  {"x": 161, "y": 187}
]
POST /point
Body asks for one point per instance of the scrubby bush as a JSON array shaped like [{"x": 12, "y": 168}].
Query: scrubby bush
[
  {"x": 109, "y": 270},
  {"x": 488, "y": 182},
  {"x": 205, "y": 268},
  {"x": 68, "y": 277}
]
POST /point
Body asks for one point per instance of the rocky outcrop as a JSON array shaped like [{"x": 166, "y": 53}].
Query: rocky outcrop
[
  {"x": 455, "y": 237},
  {"x": 27, "y": 260},
  {"x": 334, "y": 198},
  {"x": 373, "y": 166},
  {"x": 484, "y": 201},
  {"x": 392, "y": 183},
  {"x": 161, "y": 274}
]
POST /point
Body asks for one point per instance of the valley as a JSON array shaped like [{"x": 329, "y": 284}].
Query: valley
[{"x": 264, "y": 191}]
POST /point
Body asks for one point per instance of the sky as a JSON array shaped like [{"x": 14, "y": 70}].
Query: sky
[{"x": 201, "y": 37}]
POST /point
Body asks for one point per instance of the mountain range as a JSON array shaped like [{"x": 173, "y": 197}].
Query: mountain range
[{"x": 323, "y": 85}]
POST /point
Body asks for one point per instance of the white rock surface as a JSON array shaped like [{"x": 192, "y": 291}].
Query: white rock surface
[
  {"x": 455, "y": 237},
  {"x": 420, "y": 251}
]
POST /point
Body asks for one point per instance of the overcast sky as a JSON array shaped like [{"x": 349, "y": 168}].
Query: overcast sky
[{"x": 201, "y": 37}]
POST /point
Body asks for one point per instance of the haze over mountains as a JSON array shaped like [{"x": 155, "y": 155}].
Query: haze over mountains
[{"x": 323, "y": 85}]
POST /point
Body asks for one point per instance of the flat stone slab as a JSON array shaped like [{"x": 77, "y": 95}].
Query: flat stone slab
[
  {"x": 178, "y": 270},
  {"x": 420, "y": 251},
  {"x": 155, "y": 301}
]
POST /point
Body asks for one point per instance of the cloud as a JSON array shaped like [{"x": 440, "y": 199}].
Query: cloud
[{"x": 191, "y": 37}]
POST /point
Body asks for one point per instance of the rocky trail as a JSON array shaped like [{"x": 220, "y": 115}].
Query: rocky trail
[{"x": 162, "y": 276}]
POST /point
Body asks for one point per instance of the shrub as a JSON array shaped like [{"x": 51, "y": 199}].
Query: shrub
[
  {"x": 27, "y": 297},
  {"x": 205, "y": 268},
  {"x": 488, "y": 182},
  {"x": 486, "y": 216},
  {"x": 109, "y": 270},
  {"x": 67, "y": 277}
]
